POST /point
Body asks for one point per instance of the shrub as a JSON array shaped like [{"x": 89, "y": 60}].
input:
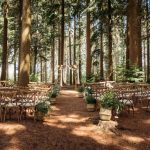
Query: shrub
[
  {"x": 42, "y": 107},
  {"x": 33, "y": 77},
  {"x": 90, "y": 99},
  {"x": 81, "y": 89}
]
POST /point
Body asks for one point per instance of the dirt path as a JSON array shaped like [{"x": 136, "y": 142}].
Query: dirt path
[{"x": 71, "y": 127}]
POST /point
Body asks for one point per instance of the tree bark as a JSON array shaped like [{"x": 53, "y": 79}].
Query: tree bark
[
  {"x": 20, "y": 30},
  {"x": 134, "y": 33},
  {"x": 80, "y": 73},
  {"x": 62, "y": 42},
  {"x": 110, "y": 61},
  {"x": 5, "y": 38},
  {"x": 148, "y": 41},
  {"x": 101, "y": 55},
  {"x": 53, "y": 57},
  {"x": 74, "y": 49},
  {"x": 24, "y": 69},
  {"x": 70, "y": 53},
  {"x": 88, "y": 45}
]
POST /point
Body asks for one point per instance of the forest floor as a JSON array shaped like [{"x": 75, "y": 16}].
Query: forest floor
[{"x": 71, "y": 127}]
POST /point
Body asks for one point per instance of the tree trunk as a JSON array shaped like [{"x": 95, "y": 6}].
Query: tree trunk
[
  {"x": 20, "y": 30},
  {"x": 62, "y": 41},
  {"x": 5, "y": 50},
  {"x": 35, "y": 58},
  {"x": 15, "y": 53},
  {"x": 134, "y": 33},
  {"x": 41, "y": 69},
  {"x": 148, "y": 41},
  {"x": 101, "y": 55},
  {"x": 45, "y": 66},
  {"x": 80, "y": 73},
  {"x": 74, "y": 49},
  {"x": 70, "y": 52},
  {"x": 53, "y": 57},
  {"x": 110, "y": 61},
  {"x": 24, "y": 69},
  {"x": 88, "y": 44}
]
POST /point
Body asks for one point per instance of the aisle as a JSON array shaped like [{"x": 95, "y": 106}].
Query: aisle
[{"x": 71, "y": 111}]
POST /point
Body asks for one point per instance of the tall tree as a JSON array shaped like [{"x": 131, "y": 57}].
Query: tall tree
[
  {"x": 70, "y": 51},
  {"x": 20, "y": 30},
  {"x": 88, "y": 45},
  {"x": 110, "y": 62},
  {"x": 134, "y": 33},
  {"x": 62, "y": 41},
  {"x": 53, "y": 56},
  {"x": 101, "y": 54},
  {"x": 5, "y": 38},
  {"x": 148, "y": 39},
  {"x": 24, "y": 69}
]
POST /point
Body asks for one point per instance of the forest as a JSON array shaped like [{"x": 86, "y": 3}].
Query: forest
[
  {"x": 76, "y": 40},
  {"x": 74, "y": 74}
]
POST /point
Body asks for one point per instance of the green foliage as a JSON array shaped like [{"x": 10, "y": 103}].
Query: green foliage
[
  {"x": 90, "y": 78},
  {"x": 33, "y": 77},
  {"x": 120, "y": 73},
  {"x": 81, "y": 89},
  {"x": 42, "y": 107},
  {"x": 109, "y": 100},
  {"x": 52, "y": 94},
  {"x": 56, "y": 88},
  {"x": 88, "y": 90},
  {"x": 90, "y": 99},
  {"x": 133, "y": 74}
]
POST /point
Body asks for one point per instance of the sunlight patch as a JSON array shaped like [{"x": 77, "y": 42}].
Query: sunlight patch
[
  {"x": 135, "y": 139},
  {"x": 12, "y": 129}
]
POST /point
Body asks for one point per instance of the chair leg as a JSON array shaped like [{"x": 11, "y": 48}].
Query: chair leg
[
  {"x": 1, "y": 115},
  {"x": 148, "y": 104},
  {"x": 4, "y": 116}
]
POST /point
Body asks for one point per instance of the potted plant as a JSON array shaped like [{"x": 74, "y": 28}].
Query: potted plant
[
  {"x": 108, "y": 101},
  {"x": 52, "y": 96},
  {"x": 80, "y": 91},
  {"x": 88, "y": 91},
  {"x": 41, "y": 109},
  {"x": 91, "y": 102}
]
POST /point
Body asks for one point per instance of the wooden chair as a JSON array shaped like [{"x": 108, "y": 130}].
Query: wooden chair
[
  {"x": 10, "y": 104},
  {"x": 28, "y": 100},
  {"x": 127, "y": 99}
]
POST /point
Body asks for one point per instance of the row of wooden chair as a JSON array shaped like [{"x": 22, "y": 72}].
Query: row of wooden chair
[{"x": 20, "y": 102}]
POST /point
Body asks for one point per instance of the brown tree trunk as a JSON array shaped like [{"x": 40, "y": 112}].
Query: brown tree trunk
[
  {"x": 74, "y": 49},
  {"x": 35, "y": 58},
  {"x": 101, "y": 55},
  {"x": 53, "y": 58},
  {"x": 5, "y": 50},
  {"x": 62, "y": 41},
  {"x": 134, "y": 33},
  {"x": 45, "y": 69},
  {"x": 88, "y": 44},
  {"x": 15, "y": 53},
  {"x": 110, "y": 61},
  {"x": 41, "y": 69},
  {"x": 80, "y": 73},
  {"x": 70, "y": 53},
  {"x": 24, "y": 69},
  {"x": 148, "y": 41},
  {"x": 20, "y": 30}
]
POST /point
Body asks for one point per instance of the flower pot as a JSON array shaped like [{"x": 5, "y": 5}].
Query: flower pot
[
  {"x": 90, "y": 107},
  {"x": 80, "y": 95},
  {"x": 105, "y": 113}
]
